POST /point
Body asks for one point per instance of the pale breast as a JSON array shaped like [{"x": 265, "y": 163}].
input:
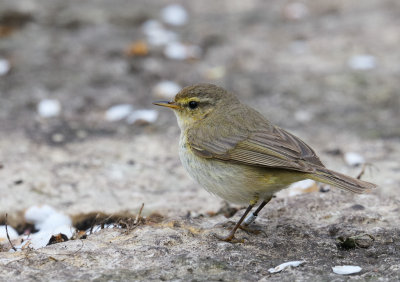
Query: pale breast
[{"x": 232, "y": 182}]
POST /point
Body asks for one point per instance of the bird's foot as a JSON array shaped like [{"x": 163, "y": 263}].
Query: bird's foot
[{"x": 230, "y": 238}]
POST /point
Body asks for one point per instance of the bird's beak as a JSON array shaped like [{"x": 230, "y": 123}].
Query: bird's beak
[{"x": 168, "y": 104}]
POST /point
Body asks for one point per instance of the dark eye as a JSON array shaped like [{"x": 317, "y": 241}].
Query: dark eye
[{"x": 193, "y": 104}]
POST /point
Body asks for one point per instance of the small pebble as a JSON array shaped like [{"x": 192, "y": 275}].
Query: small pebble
[
  {"x": 166, "y": 89},
  {"x": 137, "y": 48},
  {"x": 174, "y": 14},
  {"x": 118, "y": 112},
  {"x": 81, "y": 134},
  {"x": 5, "y": 66},
  {"x": 346, "y": 269},
  {"x": 49, "y": 108},
  {"x": 323, "y": 188},
  {"x": 303, "y": 116},
  {"x": 362, "y": 62},
  {"x": 358, "y": 207},
  {"x": 57, "y": 138},
  {"x": 215, "y": 72}
]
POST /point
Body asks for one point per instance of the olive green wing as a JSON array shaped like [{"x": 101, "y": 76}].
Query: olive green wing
[
  {"x": 248, "y": 138},
  {"x": 255, "y": 143}
]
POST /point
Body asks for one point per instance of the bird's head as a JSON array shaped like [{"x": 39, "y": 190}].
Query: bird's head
[{"x": 197, "y": 102}]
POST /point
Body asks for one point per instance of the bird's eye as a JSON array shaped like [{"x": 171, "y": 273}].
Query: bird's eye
[{"x": 193, "y": 104}]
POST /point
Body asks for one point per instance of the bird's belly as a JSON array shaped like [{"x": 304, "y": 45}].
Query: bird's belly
[{"x": 233, "y": 182}]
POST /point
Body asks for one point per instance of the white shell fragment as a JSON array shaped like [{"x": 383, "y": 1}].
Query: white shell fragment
[
  {"x": 353, "y": 159},
  {"x": 282, "y": 266},
  {"x": 49, "y": 108},
  {"x": 98, "y": 228},
  {"x": 166, "y": 89},
  {"x": 5, "y": 66},
  {"x": 174, "y": 14},
  {"x": 298, "y": 188},
  {"x": 362, "y": 62},
  {"x": 179, "y": 51},
  {"x": 302, "y": 187},
  {"x": 38, "y": 214},
  {"x": 303, "y": 116},
  {"x": 118, "y": 112},
  {"x": 46, "y": 217},
  {"x": 156, "y": 34},
  {"x": 346, "y": 269},
  {"x": 148, "y": 116},
  {"x": 11, "y": 232},
  {"x": 49, "y": 222}
]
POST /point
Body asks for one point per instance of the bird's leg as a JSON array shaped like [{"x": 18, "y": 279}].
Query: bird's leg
[
  {"x": 231, "y": 235},
  {"x": 251, "y": 218}
]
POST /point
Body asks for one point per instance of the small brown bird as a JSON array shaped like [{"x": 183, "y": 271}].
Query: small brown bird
[{"x": 237, "y": 154}]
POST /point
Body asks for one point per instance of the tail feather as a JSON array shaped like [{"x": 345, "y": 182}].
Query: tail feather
[{"x": 343, "y": 181}]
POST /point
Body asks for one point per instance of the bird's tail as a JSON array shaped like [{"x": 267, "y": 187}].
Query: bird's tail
[{"x": 342, "y": 181}]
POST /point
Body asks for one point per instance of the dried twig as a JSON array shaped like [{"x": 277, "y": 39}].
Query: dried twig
[
  {"x": 8, "y": 236},
  {"x": 139, "y": 215},
  {"x": 363, "y": 168}
]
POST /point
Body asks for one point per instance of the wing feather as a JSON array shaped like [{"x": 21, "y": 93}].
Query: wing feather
[{"x": 250, "y": 139}]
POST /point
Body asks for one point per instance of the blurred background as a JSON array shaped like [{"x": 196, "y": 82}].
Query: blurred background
[{"x": 77, "y": 78}]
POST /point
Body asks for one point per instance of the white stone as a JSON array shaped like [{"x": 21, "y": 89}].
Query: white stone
[
  {"x": 298, "y": 188},
  {"x": 49, "y": 108},
  {"x": 303, "y": 116},
  {"x": 49, "y": 222},
  {"x": 38, "y": 214},
  {"x": 176, "y": 51},
  {"x": 118, "y": 112},
  {"x": 353, "y": 159},
  {"x": 174, "y": 14},
  {"x": 362, "y": 62},
  {"x": 166, "y": 89},
  {"x": 46, "y": 218},
  {"x": 179, "y": 51},
  {"x": 148, "y": 116},
  {"x": 214, "y": 73},
  {"x": 54, "y": 221},
  {"x": 156, "y": 34},
  {"x": 346, "y": 269},
  {"x": 5, "y": 66}
]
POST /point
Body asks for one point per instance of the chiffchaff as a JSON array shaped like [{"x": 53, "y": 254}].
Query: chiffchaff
[{"x": 237, "y": 154}]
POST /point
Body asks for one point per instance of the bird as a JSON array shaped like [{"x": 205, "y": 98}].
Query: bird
[{"x": 236, "y": 153}]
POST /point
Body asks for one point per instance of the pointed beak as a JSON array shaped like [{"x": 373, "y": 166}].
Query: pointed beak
[{"x": 168, "y": 104}]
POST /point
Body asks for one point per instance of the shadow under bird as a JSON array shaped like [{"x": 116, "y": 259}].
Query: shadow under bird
[{"x": 236, "y": 153}]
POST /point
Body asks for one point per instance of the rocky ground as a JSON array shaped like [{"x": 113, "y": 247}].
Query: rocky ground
[{"x": 326, "y": 71}]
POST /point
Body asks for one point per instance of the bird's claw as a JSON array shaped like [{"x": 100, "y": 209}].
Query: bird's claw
[{"x": 230, "y": 238}]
